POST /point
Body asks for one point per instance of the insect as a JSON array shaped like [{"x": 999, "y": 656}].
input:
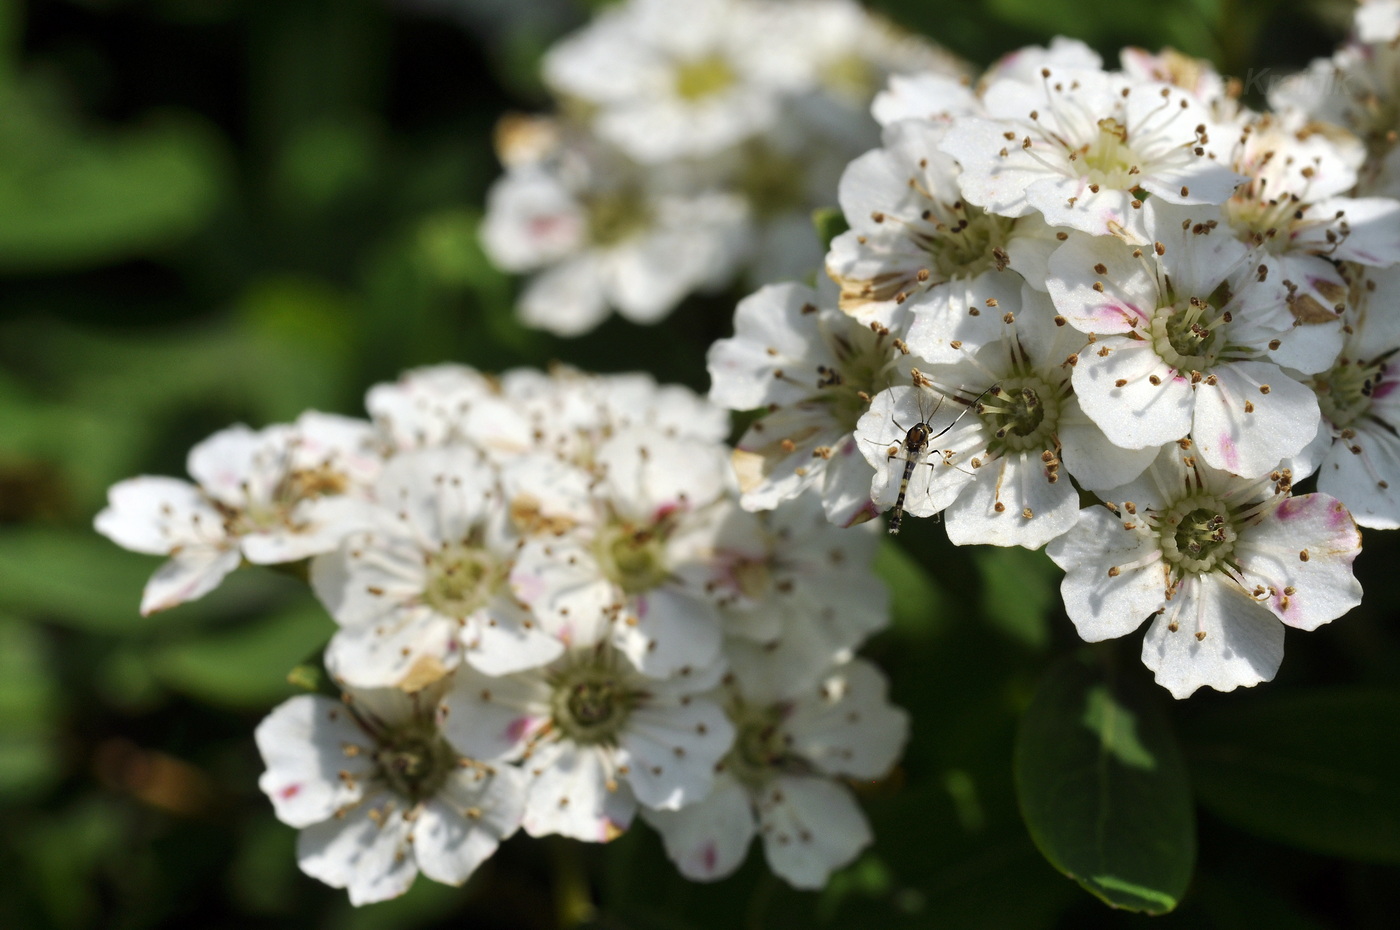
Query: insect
[{"x": 915, "y": 445}]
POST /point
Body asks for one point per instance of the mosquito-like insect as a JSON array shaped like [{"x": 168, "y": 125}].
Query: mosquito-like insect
[{"x": 916, "y": 442}]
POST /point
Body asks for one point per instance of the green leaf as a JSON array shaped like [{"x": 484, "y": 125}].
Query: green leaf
[
  {"x": 74, "y": 577},
  {"x": 246, "y": 666},
  {"x": 915, "y": 598},
  {"x": 29, "y": 757},
  {"x": 1104, "y": 791},
  {"x": 830, "y": 223},
  {"x": 69, "y": 200},
  {"x": 1318, "y": 770},
  {"x": 1018, "y": 589}
]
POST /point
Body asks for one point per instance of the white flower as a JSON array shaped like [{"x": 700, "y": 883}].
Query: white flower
[
  {"x": 664, "y": 87},
  {"x": 1196, "y": 76},
  {"x": 426, "y": 584},
  {"x": 1292, "y": 213},
  {"x": 1075, "y": 145},
  {"x": 601, "y": 234},
  {"x": 789, "y": 579},
  {"x": 1222, "y": 564},
  {"x": 796, "y": 737},
  {"x": 642, "y": 552},
  {"x": 1378, "y": 20},
  {"x": 815, "y": 370},
  {"x": 596, "y": 736},
  {"x": 269, "y": 496},
  {"x": 915, "y": 240},
  {"x": 999, "y": 421},
  {"x": 1360, "y": 401},
  {"x": 379, "y": 796},
  {"x": 1183, "y": 335}
]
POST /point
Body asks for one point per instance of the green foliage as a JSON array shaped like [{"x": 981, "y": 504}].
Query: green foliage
[
  {"x": 1104, "y": 789},
  {"x": 1320, "y": 770}
]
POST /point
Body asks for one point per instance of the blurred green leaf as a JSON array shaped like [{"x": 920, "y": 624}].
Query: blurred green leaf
[
  {"x": 76, "y": 578},
  {"x": 830, "y": 222},
  {"x": 68, "y": 199},
  {"x": 246, "y": 666},
  {"x": 28, "y": 711},
  {"x": 1318, "y": 770},
  {"x": 1104, "y": 791},
  {"x": 915, "y": 597},
  {"x": 1019, "y": 589}
]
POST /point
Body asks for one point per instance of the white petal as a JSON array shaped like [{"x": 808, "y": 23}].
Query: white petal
[
  {"x": 1242, "y": 646},
  {"x": 306, "y": 742},
  {"x": 810, "y": 827},
  {"x": 371, "y": 857},
  {"x": 187, "y": 577},
  {"x": 463, "y": 823},
  {"x": 575, "y": 792},
  {"x": 707, "y": 840},
  {"x": 1304, "y": 592},
  {"x": 1245, "y": 442},
  {"x": 1113, "y": 576}
]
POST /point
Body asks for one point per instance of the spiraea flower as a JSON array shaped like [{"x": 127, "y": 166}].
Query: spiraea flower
[
  {"x": 641, "y": 552},
  {"x": 426, "y": 584},
  {"x": 797, "y": 735},
  {"x": 1292, "y": 211},
  {"x": 659, "y": 91},
  {"x": 815, "y": 370},
  {"x": 1000, "y": 422},
  {"x": 1183, "y": 332},
  {"x": 791, "y": 580},
  {"x": 595, "y": 736},
  {"x": 1076, "y": 145},
  {"x": 1221, "y": 564},
  {"x": 1358, "y": 443},
  {"x": 269, "y": 496},
  {"x": 379, "y": 795},
  {"x": 915, "y": 240},
  {"x": 601, "y": 234}
]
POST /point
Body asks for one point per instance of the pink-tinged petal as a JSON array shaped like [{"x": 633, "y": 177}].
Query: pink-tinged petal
[
  {"x": 1119, "y": 299},
  {"x": 576, "y": 793},
  {"x": 1368, "y": 231},
  {"x": 1363, "y": 472},
  {"x": 811, "y": 827},
  {"x": 369, "y": 856},
  {"x": 1113, "y": 575},
  {"x": 187, "y": 577},
  {"x": 707, "y": 840},
  {"x": 489, "y": 718},
  {"x": 306, "y": 742},
  {"x": 1300, "y": 557},
  {"x": 1252, "y": 417},
  {"x": 1212, "y": 635}
]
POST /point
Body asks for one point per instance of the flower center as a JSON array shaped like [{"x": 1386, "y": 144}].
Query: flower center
[
  {"x": 615, "y": 217},
  {"x": 760, "y": 745},
  {"x": 1345, "y": 392},
  {"x": 415, "y": 761},
  {"x": 967, "y": 241},
  {"x": 634, "y": 558},
  {"x": 1185, "y": 335},
  {"x": 703, "y": 77},
  {"x": 1197, "y": 534},
  {"x": 462, "y": 578},
  {"x": 865, "y": 357},
  {"x": 1109, "y": 161},
  {"x": 591, "y": 703},
  {"x": 1024, "y": 413}
]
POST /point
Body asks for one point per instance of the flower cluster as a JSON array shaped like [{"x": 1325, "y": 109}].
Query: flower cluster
[
  {"x": 1066, "y": 280},
  {"x": 551, "y": 613},
  {"x": 693, "y": 141}
]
